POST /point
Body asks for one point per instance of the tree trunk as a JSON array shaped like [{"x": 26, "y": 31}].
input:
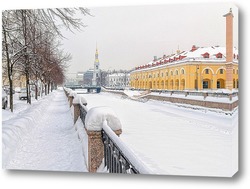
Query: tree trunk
[
  {"x": 45, "y": 89},
  {"x": 9, "y": 66},
  {"x": 36, "y": 87},
  {"x": 27, "y": 88}
]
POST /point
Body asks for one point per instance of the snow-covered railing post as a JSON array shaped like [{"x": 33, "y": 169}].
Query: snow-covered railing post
[
  {"x": 79, "y": 104},
  {"x": 67, "y": 91},
  {"x": 70, "y": 97},
  {"x": 93, "y": 123}
]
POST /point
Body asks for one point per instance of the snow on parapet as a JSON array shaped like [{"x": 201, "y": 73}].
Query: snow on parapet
[
  {"x": 97, "y": 115},
  {"x": 79, "y": 100},
  {"x": 72, "y": 93}
]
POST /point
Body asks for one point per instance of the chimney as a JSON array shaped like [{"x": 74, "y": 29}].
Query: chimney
[
  {"x": 155, "y": 58},
  {"x": 229, "y": 36},
  {"x": 229, "y": 50}
]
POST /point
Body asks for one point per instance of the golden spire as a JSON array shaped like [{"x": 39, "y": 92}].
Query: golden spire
[{"x": 96, "y": 54}]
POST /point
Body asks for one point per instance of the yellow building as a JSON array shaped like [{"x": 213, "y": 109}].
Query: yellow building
[
  {"x": 199, "y": 68},
  {"x": 18, "y": 81}
]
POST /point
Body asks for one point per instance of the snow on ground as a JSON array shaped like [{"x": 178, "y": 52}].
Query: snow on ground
[
  {"x": 176, "y": 140},
  {"x": 169, "y": 139},
  {"x": 41, "y": 136},
  {"x": 131, "y": 93}
]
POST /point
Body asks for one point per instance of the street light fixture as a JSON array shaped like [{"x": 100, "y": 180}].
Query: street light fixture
[{"x": 196, "y": 84}]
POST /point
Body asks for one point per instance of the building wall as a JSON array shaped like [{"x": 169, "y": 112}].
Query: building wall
[
  {"x": 118, "y": 80},
  {"x": 19, "y": 81},
  {"x": 184, "y": 76}
]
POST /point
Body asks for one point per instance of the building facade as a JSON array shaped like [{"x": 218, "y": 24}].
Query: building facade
[
  {"x": 199, "y": 68},
  {"x": 79, "y": 78},
  {"x": 118, "y": 80},
  {"x": 88, "y": 77}
]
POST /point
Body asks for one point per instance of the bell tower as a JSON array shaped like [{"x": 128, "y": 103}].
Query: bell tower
[{"x": 96, "y": 73}]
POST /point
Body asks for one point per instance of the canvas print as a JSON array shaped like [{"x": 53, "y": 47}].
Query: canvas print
[{"x": 149, "y": 89}]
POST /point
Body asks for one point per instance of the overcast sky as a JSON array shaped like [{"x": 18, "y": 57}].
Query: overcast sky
[{"x": 129, "y": 36}]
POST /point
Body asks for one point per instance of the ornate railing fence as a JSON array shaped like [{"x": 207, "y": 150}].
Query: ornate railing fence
[
  {"x": 114, "y": 158},
  {"x": 83, "y": 113}
]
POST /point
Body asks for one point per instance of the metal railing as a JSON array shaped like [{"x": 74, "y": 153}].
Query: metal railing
[
  {"x": 114, "y": 158},
  {"x": 83, "y": 113}
]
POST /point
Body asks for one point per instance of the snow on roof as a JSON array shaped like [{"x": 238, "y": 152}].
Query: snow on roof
[
  {"x": 212, "y": 51},
  {"x": 196, "y": 54}
]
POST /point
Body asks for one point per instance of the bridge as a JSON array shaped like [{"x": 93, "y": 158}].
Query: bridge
[{"x": 90, "y": 88}]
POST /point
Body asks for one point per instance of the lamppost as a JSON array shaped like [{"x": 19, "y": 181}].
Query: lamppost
[{"x": 196, "y": 84}]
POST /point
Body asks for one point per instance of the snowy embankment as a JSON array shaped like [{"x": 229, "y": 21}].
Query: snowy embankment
[
  {"x": 42, "y": 137},
  {"x": 200, "y": 97}
]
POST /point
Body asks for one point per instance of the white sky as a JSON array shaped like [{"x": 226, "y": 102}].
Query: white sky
[{"x": 128, "y": 36}]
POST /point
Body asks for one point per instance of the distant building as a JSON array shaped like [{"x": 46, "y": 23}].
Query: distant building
[
  {"x": 71, "y": 81},
  {"x": 87, "y": 77},
  {"x": 118, "y": 80},
  {"x": 79, "y": 78}
]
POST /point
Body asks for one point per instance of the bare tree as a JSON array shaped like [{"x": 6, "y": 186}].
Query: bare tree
[{"x": 27, "y": 37}]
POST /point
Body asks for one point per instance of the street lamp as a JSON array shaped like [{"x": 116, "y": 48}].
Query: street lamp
[{"x": 196, "y": 84}]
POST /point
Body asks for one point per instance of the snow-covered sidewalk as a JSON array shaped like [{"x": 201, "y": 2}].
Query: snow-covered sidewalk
[{"x": 43, "y": 138}]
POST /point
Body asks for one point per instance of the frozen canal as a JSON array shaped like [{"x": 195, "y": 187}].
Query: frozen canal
[{"x": 176, "y": 140}]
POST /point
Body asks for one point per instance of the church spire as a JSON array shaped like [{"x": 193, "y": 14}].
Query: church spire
[
  {"x": 96, "y": 54},
  {"x": 96, "y": 73}
]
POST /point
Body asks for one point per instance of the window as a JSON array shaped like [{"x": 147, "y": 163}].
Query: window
[
  {"x": 176, "y": 72},
  {"x": 182, "y": 71},
  {"x": 206, "y": 55},
  {"x": 221, "y": 71},
  {"x": 218, "y": 84},
  {"x": 166, "y": 73},
  {"x": 206, "y": 71},
  {"x": 205, "y": 84},
  {"x": 219, "y": 55}
]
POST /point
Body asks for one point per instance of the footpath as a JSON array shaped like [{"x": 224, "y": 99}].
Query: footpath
[{"x": 43, "y": 138}]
